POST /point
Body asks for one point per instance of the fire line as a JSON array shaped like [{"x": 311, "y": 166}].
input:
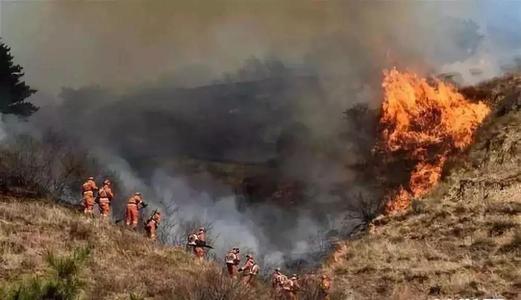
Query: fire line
[{"x": 426, "y": 122}]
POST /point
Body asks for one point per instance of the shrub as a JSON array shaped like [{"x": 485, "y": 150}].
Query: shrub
[
  {"x": 514, "y": 245},
  {"x": 63, "y": 282},
  {"x": 80, "y": 230},
  {"x": 211, "y": 284},
  {"x": 50, "y": 166},
  {"x": 499, "y": 226}
]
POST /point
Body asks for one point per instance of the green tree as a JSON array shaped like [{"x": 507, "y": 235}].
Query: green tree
[{"x": 13, "y": 91}]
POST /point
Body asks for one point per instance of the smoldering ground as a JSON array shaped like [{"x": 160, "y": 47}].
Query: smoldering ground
[{"x": 163, "y": 92}]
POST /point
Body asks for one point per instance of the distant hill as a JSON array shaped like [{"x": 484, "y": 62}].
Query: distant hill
[{"x": 240, "y": 121}]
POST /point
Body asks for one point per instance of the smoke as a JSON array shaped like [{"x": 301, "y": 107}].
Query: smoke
[
  {"x": 233, "y": 112},
  {"x": 3, "y": 132},
  {"x": 193, "y": 41}
]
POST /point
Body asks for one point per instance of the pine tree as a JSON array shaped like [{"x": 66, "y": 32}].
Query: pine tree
[{"x": 13, "y": 92}]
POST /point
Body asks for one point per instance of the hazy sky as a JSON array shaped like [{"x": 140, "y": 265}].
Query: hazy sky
[
  {"x": 71, "y": 43},
  {"x": 121, "y": 43}
]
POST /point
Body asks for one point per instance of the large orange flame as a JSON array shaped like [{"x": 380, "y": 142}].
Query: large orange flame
[{"x": 427, "y": 123}]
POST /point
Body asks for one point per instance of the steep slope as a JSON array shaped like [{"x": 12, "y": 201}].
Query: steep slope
[
  {"x": 121, "y": 262},
  {"x": 462, "y": 240}
]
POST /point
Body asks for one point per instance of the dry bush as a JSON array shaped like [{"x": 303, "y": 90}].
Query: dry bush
[
  {"x": 63, "y": 280},
  {"x": 50, "y": 166},
  {"x": 514, "y": 246},
  {"x": 418, "y": 206},
  {"x": 80, "y": 230},
  {"x": 404, "y": 292},
  {"x": 507, "y": 208},
  {"x": 309, "y": 288},
  {"x": 213, "y": 284},
  {"x": 498, "y": 227}
]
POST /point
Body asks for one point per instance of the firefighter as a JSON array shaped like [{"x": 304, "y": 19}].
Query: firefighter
[
  {"x": 105, "y": 196},
  {"x": 151, "y": 225},
  {"x": 325, "y": 287},
  {"x": 290, "y": 287},
  {"x": 232, "y": 260},
  {"x": 200, "y": 242},
  {"x": 88, "y": 189},
  {"x": 134, "y": 204},
  {"x": 249, "y": 271},
  {"x": 277, "y": 281}
]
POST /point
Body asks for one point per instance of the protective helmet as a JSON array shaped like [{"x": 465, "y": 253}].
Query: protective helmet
[
  {"x": 90, "y": 178},
  {"x": 137, "y": 193},
  {"x": 202, "y": 229},
  {"x": 277, "y": 269},
  {"x": 106, "y": 181}
]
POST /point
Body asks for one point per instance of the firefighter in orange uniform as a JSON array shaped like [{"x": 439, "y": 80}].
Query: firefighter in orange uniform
[
  {"x": 249, "y": 271},
  {"x": 193, "y": 242},
  {"x": 325, "y": 287},
  {"x": 200, "y": 243},
  {"x": 152, "y": 224},
  {"x": 88, "y": 189},
  {"x": 105, "y": 196},
  {"x": 277, "y": 281},
  {"x": 290, "y": 287},
  {"x": 232, "y": 260},
  {"x": 134, "y": 203},
  {"x": 201, "y": 234}
]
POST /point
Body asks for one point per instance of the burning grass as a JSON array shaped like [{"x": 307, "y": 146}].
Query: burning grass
[
  {"x": 424, "y": 123},
  {"x": 463, "y": 240}
]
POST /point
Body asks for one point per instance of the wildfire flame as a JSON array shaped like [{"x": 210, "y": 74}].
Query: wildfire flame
[{"x": 426, "y": 123}]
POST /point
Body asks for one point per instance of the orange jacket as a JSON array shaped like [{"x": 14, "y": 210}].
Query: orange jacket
[
  {"x": 201, "y": 236},
  {"x": 89, "y": 186},
  {"x": 277, "y": 279},
  {"x": 134, "y": 200},
  {"x": 232, "y": 258},
  {"x": 248, "y": 265},
  {"x": 325, "y": 284},
  {"x": 106, "y": 192}
]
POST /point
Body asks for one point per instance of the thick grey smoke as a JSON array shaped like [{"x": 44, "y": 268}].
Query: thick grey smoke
[
  {"x": 236, "y": 117},
  {"x": 3, "y": 130}
]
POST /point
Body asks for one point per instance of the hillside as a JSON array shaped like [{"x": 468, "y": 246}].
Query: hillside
[
  {"x": 462, "y": 240},
  {"x": 121, "y": 263}
]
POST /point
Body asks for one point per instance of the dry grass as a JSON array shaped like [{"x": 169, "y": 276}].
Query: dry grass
[{"x": 122, "y": 262}]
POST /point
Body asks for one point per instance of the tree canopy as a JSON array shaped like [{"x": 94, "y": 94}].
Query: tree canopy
[{"x": 13, "y": 91}]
